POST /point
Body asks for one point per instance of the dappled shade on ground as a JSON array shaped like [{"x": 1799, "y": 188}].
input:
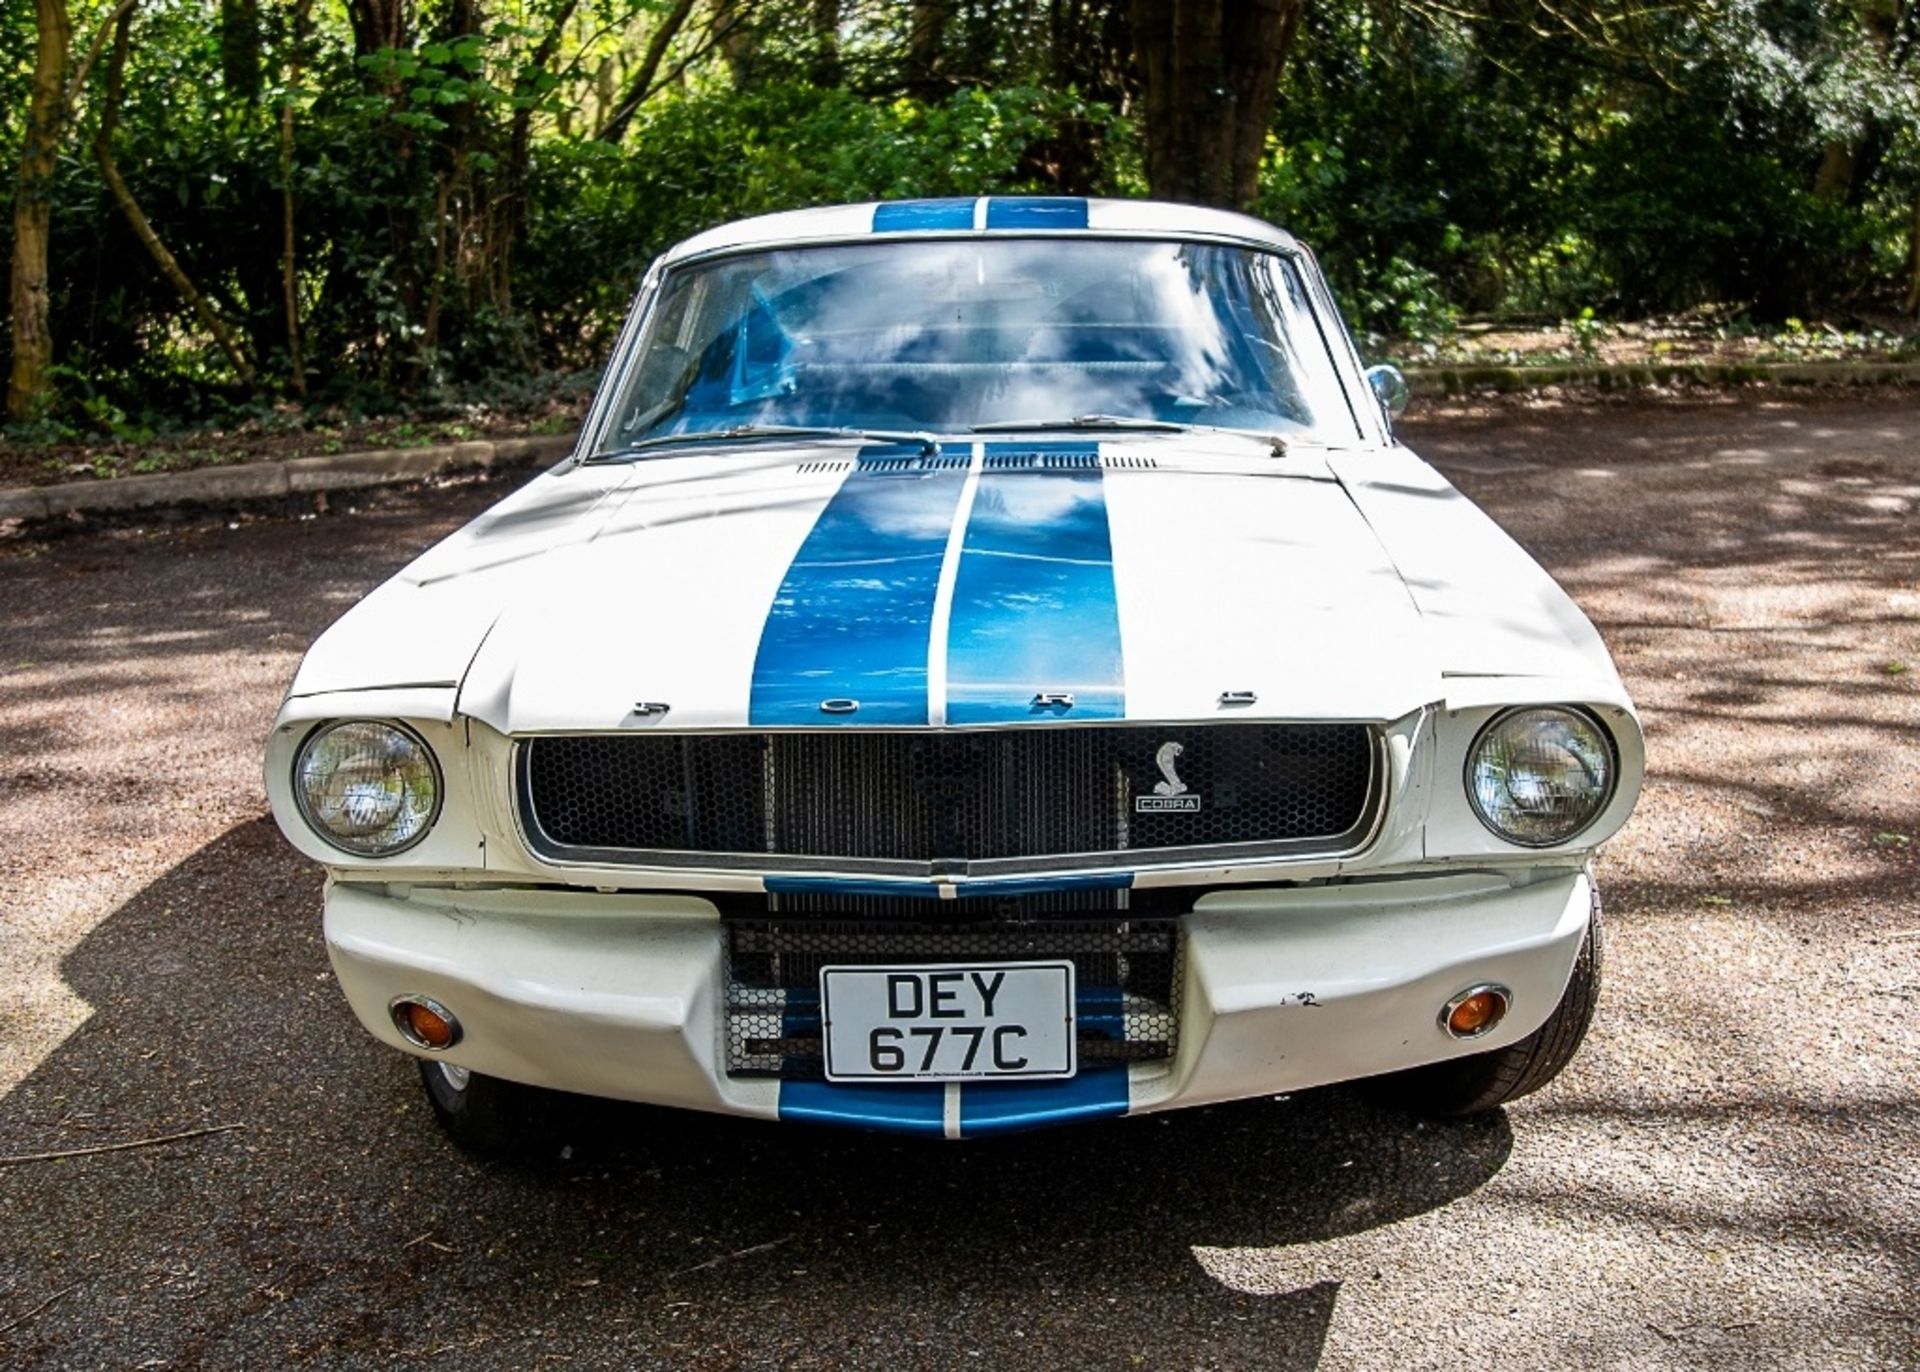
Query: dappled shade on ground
[{"x": 1722, "y": 1177}]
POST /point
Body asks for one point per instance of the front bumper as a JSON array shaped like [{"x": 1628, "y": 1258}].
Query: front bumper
[{"x": 621, "y": 995}]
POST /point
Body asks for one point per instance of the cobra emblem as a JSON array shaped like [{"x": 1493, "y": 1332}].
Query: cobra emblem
[{"x": 1165, "y": 758}]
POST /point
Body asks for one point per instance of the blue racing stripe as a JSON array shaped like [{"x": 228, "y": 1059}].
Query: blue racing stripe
[
  {"x": 1038, "y": 212},
  {"x": 852, "y": 886},
  {"x": 1100, "y": 1010},
  {"x": 1033, "y": 601},
  {"x": 904, "y": 216},
  {"x": 800, "y": 1015},
  {"x": 851, "y": 620},
  {"x": 901, "y": 1109},
  {"x": 1034, "y": 886},
  {"x": 1008, "y": 1107}
]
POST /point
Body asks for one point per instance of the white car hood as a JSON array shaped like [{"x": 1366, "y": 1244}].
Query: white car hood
[{"x": 1160, "y": 578}]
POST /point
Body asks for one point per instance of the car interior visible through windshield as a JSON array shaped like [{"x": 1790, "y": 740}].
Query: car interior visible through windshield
[{"x": 949, "y": 334}]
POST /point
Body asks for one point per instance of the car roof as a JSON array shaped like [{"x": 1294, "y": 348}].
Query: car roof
[{"x": 984, "y": 215}]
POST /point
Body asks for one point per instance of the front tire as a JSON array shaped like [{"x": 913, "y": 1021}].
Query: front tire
[
  {"x": 492, "y": 1118},
  {"x": 1485, "y": 1081}
]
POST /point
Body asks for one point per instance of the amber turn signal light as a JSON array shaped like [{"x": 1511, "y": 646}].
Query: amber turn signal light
[
  {"x": 1475, "y": 1011},
  {"x": 425, "y": 1023}
]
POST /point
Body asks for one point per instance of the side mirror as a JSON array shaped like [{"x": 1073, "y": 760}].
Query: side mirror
[{"x": 1390, "y": 389}]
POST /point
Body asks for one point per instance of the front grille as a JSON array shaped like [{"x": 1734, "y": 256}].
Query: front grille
[
  {"x": 948, "y": 802},
  {"x": 1126, "y": 982}
]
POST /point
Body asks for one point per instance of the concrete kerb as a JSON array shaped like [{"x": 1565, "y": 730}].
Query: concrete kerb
[
  {"x": 269, "y": 480},
  {"x": 1461, "y": 380}
]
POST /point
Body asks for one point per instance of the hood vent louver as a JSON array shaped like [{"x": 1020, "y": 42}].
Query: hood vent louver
[
  {"x": 941, "y": 462},
  {"x": 1041, "y": 460},
  {"x": 993, "y": 462}
]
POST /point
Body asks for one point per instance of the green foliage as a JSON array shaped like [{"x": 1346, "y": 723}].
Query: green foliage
[
  {"x": 1588, "y": 333},
  {"x": 461, "y": 230},
  {"x": 1405, "y": 300},
  {"x": 1528, "y": 172},
  {"x": 600, "y": 214}
]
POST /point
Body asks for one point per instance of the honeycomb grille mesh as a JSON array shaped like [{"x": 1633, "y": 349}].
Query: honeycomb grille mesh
[
  {"x": 939, "y": 796},
  {"x": 1126, "y": 977}
]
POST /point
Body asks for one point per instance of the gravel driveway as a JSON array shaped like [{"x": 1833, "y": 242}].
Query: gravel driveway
[{"x": 1728, "y": 1176}]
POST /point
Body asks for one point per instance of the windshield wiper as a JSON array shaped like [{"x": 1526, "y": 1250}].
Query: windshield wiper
[
  {"x": 1083, "y": 421},
  {"x": 928, "y": 443}
]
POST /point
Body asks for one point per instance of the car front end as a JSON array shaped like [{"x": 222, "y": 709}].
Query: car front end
[{"x": 875, "y": 746}]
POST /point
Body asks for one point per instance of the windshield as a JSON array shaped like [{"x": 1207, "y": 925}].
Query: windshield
[{"x": 947, "y": 335}]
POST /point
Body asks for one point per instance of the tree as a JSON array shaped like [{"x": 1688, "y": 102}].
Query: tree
[
  {"x": 738, "y": 29},
  {"x": 826, "y": 42},
  {"x": 476, "y": 184},
  {"x": 1210, "y": 72},
  {"x": 927, "y": 22},
  {"x": 646, "y": 77},
  {"x": 240, "y": 49},
  {"x": 137, "y": 220},
  {"x": 49, "y": 112},
  {"x": 33, "y": 211},
  {"x": 289, "y": 238}
]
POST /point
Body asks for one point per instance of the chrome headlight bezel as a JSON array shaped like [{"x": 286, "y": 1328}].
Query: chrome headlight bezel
[
  {"x": 345, "y": 844},
  {"x": 1609, "y": 746}
]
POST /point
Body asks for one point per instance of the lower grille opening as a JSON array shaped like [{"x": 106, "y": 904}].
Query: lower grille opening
[{"x": 1126, "y": 981}]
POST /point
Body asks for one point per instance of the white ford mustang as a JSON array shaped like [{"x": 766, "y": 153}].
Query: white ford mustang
[{"x": 986, "y": 664}]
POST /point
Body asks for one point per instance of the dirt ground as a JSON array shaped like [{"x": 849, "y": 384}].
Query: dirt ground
[{"x": 1729, "y": 1176}]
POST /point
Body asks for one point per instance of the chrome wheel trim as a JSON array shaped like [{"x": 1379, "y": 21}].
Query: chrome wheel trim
[{"x": 455, "y": 1077}]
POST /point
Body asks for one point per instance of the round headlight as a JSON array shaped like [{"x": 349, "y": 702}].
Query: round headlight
[
  {"x": 367, "y": 788},
  {"x": 1539, "y": 776}
]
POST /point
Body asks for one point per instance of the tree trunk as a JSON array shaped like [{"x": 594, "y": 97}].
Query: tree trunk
[
  {"x": 826, "y": 42},
  {"x": 27, "y": 386},
  {"x": 1913, "y": 260},
  {"x": 289, "y": 264},
  {"x": 1210, "y": 73},
  {"x": 520, "y": 153},
  {"x": 1088, "y": 51},
  {"x": 378, "y": 24},
  {"x": 381, "y": 25},
  {"x": 927, "y": 22},
  {"x": 644, "y": 77},
  {"x": 289, "y": 273},
  {"x": 137, "y": 220},
  {"x": 1258, "y": 39},
  {"x": 1833, "y": 182},
  {"x": 733, "y": 29},
  {"x": 462, "y": 21},
  {"x": 240, "y": 49},
  {"x": 1840, "y": 167}
]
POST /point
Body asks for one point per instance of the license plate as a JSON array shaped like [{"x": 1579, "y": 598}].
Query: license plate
[{"x": 951, "y": 1022}]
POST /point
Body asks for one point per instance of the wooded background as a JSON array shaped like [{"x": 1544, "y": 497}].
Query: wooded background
[{"x": 223, "y": 204}]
